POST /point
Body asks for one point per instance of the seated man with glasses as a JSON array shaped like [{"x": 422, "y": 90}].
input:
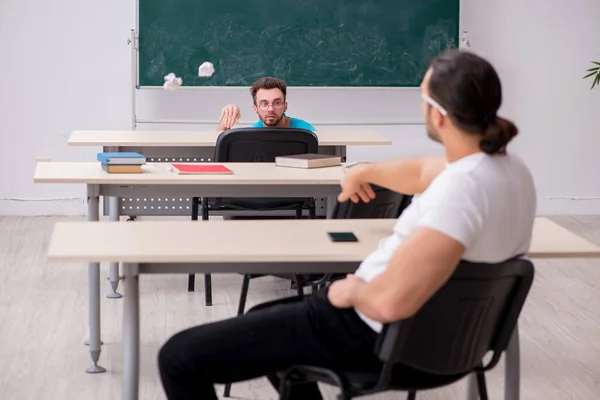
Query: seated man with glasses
[{"x": 269, "y": 97}]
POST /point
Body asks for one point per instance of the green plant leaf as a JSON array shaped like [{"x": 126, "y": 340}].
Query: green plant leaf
[
  {"x": 594, "y": 73},
  {"x": 596, "y": 81}
]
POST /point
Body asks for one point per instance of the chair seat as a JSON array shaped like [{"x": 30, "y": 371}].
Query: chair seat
[
  {"x": 403, "y": 378},
  {"x": 361, "y": 381},
  {"x": 313, "y": 278}
]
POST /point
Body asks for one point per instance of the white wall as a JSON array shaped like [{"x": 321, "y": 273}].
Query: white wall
[{"x": 66, "y": 66}]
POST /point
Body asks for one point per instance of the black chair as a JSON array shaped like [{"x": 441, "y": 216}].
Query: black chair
[
  {"x": 386, "y": 204},
  {"x": 474, "y": 313},
  {"x": 255, "y": 145}
]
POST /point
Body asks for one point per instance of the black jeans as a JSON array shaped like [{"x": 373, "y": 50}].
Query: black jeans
[{"x": 268, "y": 339}]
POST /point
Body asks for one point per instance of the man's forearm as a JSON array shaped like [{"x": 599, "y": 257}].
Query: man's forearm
[
  {"x": 369, "y": 301},
  {"x": 408, "y": 176}
]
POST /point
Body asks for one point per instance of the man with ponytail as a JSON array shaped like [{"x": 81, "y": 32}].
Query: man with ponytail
[{"x": 477, "y": 202}]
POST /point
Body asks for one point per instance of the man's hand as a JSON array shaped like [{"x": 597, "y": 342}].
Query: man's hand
[
  {"x": 341, "y": 293},
  {"x": 230, "y": 115},
  {"x": 355, "y": 187}
]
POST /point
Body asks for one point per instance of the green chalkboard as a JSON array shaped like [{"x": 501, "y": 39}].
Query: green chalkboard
[{"x": 305, "y": 42}]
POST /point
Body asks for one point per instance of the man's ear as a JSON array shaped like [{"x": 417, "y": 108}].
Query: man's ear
[
  {"x": 285, "y": 106},
  {"x": 438, "y": 118},
  {"x": 255, "y": 109}
]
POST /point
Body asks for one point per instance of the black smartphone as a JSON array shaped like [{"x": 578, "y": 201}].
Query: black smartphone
[{"x": 342, "y": 237}]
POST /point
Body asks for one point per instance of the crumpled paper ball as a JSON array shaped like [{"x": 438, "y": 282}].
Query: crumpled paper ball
[
  {"x": 206, "y": 69},
  {"x": 172, "y": 81}
]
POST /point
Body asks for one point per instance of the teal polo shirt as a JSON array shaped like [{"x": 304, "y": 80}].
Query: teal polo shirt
[{"x": 294, "y": 123}]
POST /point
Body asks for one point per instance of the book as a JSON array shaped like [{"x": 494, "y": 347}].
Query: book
[
  {"x": 308, "y": 161},
  {"x": 201, "y": 169},
  {"x": 122, "y": 169},
  {"x": 121, "y": 158}
]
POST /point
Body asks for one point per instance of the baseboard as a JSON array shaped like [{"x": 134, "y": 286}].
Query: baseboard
[
  {"x": 77, "y": 206},
  {"x": 43, "y": 207},
  {"x": 568, "y": 205}
]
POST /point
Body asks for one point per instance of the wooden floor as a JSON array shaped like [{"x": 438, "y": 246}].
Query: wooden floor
[{"x": 43, "y": 323}]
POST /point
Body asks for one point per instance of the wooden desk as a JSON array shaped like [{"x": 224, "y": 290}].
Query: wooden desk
[
  {"x": 327, "y": 138},
  {"x": 283, "y": 247},
  {"x": 229, "y": 244},
  {"x": 196, "y": 146},
  {"x": 248, "y": 180},
  {"x": 277, "y": 181}
]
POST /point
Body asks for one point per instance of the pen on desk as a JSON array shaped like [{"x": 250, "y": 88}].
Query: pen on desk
[{"x": 352, "y": 164}]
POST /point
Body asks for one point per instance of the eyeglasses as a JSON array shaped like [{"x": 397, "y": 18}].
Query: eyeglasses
[
  {"x": 277, "y": 105},
  {"x": 435, "y": 104}
]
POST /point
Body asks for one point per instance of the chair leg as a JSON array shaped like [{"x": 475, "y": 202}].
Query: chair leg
[
  {"x": 298, "y": 213},
  {"x": 208, "y": 289},
  {"x": 191, "y": 282},
  {"x": 227, "y": 390},
  {"x": 195, "y": 206},
  {"x": 312, "y": 212},
  {"x": 204, "y": 209},
  {"x": 207, "y": 277},
  {"x": 299, "y": 288},
  {"x": 284, "y": 390},
  {"x": 244, "y": 294},
  {"x": 412, "y": 395},
  {"x": 192, "y": 277},
  {"x": 481, "y": 385}
]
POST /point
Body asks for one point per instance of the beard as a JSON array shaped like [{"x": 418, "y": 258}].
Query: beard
[
  {"x": 432, "y": 133},
  {"x": 272, "y": 120}
]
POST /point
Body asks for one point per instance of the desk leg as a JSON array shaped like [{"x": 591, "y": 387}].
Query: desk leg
[
  {"x": 113, "y": 213},
  {"x": 94, "y": 294},
  {"x": 472, "y": 390},
  {"x": 512, "y": 368},
  {"x": 131, "y": 332}
]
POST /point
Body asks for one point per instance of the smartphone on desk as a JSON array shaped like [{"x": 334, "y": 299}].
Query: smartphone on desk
[{"x": 342, "y": 237}]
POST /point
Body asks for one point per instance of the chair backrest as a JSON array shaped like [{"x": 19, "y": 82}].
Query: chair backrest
[
  {"x": 475, "y": 312},
  {"x": 263, "y": 144},
  {"x": 386, "y": 204},
  {"x": 408, "y": 198}
]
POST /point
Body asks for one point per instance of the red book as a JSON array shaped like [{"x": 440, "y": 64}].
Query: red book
[{"x": 200, "y": 169}]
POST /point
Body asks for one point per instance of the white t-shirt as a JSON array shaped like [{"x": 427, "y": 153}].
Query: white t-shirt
[{"x": 488, "y": 203}]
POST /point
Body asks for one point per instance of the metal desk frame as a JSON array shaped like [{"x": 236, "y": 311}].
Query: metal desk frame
[{"x": 94, "y": 191}]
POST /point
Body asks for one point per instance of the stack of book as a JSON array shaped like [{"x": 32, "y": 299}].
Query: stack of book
[
  {"x": 122, "y": 163},
  {"x": 308, "y": 161}
]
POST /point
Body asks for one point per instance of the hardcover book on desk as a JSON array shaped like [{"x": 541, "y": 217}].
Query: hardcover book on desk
[
  {"x": 121, "y": 158},
  {"x": 308, "y": 161},
  {"x": 201, "y": 169},
  {"x": 122, "y": 163}
]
